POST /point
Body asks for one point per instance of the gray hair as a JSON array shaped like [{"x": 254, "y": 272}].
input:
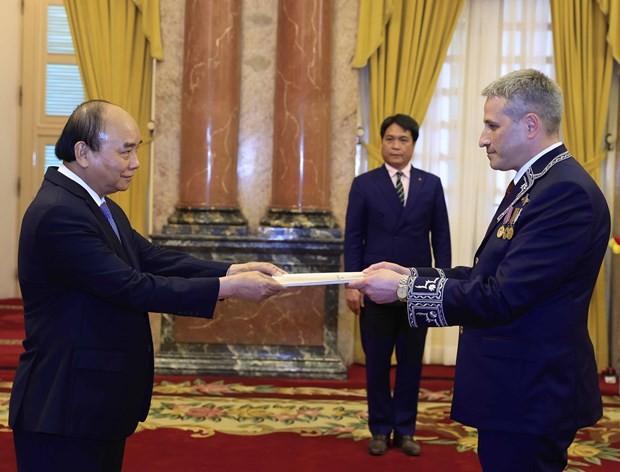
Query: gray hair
[{"x": 529, "y": 91}]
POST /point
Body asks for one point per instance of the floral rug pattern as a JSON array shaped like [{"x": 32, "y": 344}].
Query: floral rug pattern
[{"x": 206, "y": 408}]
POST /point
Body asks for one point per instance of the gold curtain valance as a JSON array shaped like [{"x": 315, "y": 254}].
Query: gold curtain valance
[
  {"x": 611, "y": 9},
  {"x": 151, "y": 26}
]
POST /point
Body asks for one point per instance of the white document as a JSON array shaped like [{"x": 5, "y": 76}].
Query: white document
[{"x": 318, "y": 278}]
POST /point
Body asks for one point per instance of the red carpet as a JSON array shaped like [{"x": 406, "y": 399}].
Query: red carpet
[
  {"x": 281, "y": 452},
  {"x": 11, "y": 332},
  {"x": 260, "y": 424}
]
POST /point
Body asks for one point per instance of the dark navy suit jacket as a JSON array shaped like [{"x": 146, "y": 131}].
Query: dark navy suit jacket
[
  {"x": 525, "y": 361},
  {"x": 378, "y": 228},
  {"x": 87, "y": 369}
]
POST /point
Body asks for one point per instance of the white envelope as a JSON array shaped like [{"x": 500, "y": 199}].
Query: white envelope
[{"x": 317, "y": 278}]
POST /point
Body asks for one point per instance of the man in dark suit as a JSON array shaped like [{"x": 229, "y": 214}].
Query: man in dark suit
[
  {"x": 392, "y": 211},
  {"x": 526, "y": 376},
  {"x": 88, "y": 280}
]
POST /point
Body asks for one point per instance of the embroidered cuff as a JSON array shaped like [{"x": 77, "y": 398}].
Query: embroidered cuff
[{"x": 425, "y": 300}]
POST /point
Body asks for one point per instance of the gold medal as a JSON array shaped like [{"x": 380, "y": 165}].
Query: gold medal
[
  {"x": 500, "y": 232},
  {"x": 509, "y": 232}
]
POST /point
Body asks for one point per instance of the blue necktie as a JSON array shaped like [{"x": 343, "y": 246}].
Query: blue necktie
[{"x": 108, "y": 215}]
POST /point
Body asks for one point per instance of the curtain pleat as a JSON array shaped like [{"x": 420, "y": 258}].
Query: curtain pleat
[
  {"x": 151, "y": 26},
  {"x": 611, "y": 9},
  {"x": 373, "y": 18},
  {"x": 404, "y": 44},
  {"x": 115, "y": 42},
  {"x": 584, "y": 66}
]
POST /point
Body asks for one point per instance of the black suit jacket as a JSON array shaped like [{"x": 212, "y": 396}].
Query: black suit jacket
[
  {"x": 378, "y": 227},
  {"x": 87, "y": 369},
  {"x": 525, "y": 362}
]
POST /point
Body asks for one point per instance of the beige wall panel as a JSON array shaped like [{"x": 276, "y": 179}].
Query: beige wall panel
[{"x": 10, "y": 38}]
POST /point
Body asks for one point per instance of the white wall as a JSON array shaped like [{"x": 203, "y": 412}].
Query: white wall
[{"x": 10, "y": 53}]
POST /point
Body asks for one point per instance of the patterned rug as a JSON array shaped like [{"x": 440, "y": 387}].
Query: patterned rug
[{"x": 204, "y": 408}]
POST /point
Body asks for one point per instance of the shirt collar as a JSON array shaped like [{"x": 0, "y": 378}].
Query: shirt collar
[
  {"x": 530, "y": 163},
  {"x": 64, "y": 170},
  {"x": 392, "y": 170}
]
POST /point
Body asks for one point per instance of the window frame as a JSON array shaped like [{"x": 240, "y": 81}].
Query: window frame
[{"x": 38, "y": 129}]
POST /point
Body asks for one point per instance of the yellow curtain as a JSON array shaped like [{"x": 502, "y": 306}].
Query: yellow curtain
[
  {"x": 115, "y": 43},
  {"x": 404, "y": 44},
  {"x": 611, "y": 9},
  {"x": 584, "y": 65}
]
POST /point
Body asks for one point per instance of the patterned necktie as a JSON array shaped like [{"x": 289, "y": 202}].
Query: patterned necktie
[
  {"x": 108, "y": 215},
  {"x": 399, "y": 187}
]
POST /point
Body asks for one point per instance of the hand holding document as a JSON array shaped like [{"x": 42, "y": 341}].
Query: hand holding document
[{"x": 318, "y": 278}]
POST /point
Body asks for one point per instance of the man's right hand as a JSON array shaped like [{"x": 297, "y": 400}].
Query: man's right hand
[{"x": 249, "y": 286}]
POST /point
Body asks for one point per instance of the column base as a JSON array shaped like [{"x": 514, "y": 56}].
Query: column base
[
  {"x": 254, "y": 361},
  {"x": 298, "y": 224},
  {"x": 293, "y": 334},
  {"x": 208, "y": 221}
]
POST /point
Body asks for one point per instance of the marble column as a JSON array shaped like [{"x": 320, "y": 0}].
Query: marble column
[
  {"x": 210, "y": 121},
  {"x": 293, "y": 334},
  {"x": 300, "y": 204}
]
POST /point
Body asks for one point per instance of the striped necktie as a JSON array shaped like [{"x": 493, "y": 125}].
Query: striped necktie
[
  {"x": 108, "y": 215},
  {"x": 399, "y": 187}
]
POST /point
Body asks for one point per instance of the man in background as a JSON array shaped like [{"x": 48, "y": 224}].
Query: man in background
[
  {"x": 88, "y": 281},
  {"x": 526, "y": 375},
  {"x": 395, "y": 213}
]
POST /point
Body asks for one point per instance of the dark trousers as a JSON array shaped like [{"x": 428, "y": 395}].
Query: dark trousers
[
  {"x": 510, "y": 452},
  {"x": 38, "y": 452},
  {"x": 384, "y": 328}
]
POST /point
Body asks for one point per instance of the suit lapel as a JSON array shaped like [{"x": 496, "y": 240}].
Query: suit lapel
[
  {"x": 502, "y": 206},
  {"x": 107, "y": 228},
  {"x": 126, "y": 232},
  {"x": 387, "y": 190},
  {"x": 524, "y": 186},
  {"x": 386, "y": 186},
  {"x": 59, "y": 179},
  {"x": 416, "y": 182}
]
